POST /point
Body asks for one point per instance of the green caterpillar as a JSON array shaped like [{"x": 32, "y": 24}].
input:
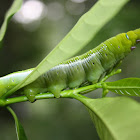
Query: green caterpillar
[{"x": 87, "y": 68}]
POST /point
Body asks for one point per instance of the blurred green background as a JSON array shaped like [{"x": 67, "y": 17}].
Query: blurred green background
[{"x": 32, "y": 33}]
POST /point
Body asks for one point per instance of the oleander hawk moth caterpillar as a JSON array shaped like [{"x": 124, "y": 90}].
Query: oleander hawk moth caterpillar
[{"x": 87, "y": 68}]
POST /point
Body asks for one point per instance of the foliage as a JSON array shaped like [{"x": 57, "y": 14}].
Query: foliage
[
  {"x": 112, "y": 117},
  {"x": 14, "y": 8}
]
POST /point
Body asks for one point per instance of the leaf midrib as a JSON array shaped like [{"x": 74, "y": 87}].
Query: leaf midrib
[{"x": 122, "y": 87}]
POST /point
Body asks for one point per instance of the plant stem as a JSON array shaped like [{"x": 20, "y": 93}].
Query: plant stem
[
  {"x": 24, "y": 98},
  {"x": 64, "y": 94},
  {"x": 111, "y": 74}
]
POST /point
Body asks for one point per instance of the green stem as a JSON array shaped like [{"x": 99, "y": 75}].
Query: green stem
[
  {"x": 89, "y": 88},
  {"x": 111, "y": 74},
  {"x": 12, "y": 112},
  {"x": 64, "y": 94},
  {"x": 15, "y": 100},
  {"x": 24, "y": 98}
]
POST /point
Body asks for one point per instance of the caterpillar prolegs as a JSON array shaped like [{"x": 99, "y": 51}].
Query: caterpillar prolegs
[{"x": 89, "y": 67}]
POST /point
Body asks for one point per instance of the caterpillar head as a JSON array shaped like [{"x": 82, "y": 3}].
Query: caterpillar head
[
  {"x": 128, "y": 41},
  {"x": 133, "y": 38},
  {"x": 137, "y": 32}
]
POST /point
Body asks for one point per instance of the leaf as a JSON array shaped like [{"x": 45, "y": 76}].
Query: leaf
[
  {"x": 14, "y": 8},
  {"x": 11, "y": 80},
  {"x": 127, "y": 86},
  {"x": 114, "y": 118},
  {"x": 81, "y": 34},
  {"x": 19, "y": 129}
]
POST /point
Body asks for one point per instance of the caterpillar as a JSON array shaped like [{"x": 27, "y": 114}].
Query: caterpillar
[{"x": 87, "y": 68}]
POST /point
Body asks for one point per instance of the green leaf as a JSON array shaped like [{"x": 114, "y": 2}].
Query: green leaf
[
  {"x": 81, "y": 34},
  {"x": 19, "y": 129},
  {"x": 127, "y": 86},
  {"x": 114, "y": 118},
  {"x": 14, "y": 8}
]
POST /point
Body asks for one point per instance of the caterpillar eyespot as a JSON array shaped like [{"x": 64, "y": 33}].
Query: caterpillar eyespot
[{"x": 87, "y": 68}]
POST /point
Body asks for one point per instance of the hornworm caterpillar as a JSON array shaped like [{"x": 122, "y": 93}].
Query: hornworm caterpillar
[{"x": 89, "y": 67}]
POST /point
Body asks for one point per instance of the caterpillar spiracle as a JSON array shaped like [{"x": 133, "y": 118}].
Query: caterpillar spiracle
[{"x": 89, "y": 67}]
